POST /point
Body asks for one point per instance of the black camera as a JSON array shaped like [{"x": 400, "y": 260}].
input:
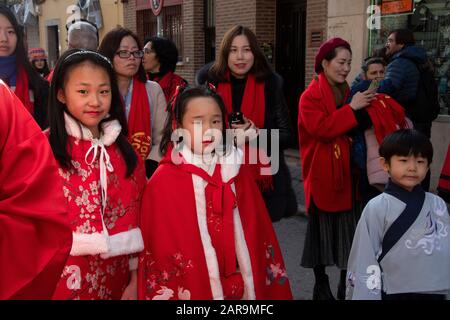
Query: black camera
[{"x": 236, "y": 118}]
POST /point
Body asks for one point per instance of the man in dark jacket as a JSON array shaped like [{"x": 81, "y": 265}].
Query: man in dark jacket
[{"x": 402, "y": 75}]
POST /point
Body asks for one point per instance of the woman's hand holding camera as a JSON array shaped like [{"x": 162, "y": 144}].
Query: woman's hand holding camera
[{"x": 362, "y": 99}]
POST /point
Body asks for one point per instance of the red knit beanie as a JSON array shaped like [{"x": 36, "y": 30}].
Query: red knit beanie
[
  {"x": 36, "y": 54},
  {"x": 326, "y": 48}
]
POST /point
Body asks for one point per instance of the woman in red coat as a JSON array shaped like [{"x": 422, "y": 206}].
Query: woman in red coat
[{"x": 323, "y": 123}]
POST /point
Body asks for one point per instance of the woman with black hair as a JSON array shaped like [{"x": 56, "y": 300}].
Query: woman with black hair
[
  {"x": 38, "y": 61},
  {"x": 160, "y": 61},
  {"x": 145, "y": 104},
  {"x": 17, "y": 72},
  {"x": 248, "y": 85}
]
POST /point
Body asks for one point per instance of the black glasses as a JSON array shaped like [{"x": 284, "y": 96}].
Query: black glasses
[{"x": 125, "y": 54}]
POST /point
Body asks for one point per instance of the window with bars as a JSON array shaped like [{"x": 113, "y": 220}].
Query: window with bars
[{"x": 168, "y": 24}]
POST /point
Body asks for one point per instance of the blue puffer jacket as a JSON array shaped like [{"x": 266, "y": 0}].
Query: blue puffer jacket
[{"x": 402, "y": 76}]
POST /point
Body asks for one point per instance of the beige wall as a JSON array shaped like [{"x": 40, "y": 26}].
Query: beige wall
[
  {"x": 56, "y": 10},
  {"x": 347, "y": 20}
]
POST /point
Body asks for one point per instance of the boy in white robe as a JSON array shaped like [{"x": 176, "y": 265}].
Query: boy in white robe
[{"x": 401, "y": 247}]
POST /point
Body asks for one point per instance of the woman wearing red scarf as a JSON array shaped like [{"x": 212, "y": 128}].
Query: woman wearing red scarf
[
  {"x": 247, "y": 84},
  {"x": 144, "y": 100},
  {"x": 160, "y": 61},
  {"x": 17, "y": 72},
  {"x": 324, "y": 123}
]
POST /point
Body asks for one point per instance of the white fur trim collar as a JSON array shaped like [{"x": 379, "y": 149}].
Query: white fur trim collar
[
  {"x": 230, "y": 162},
  {"x": 109, "y": 134}
]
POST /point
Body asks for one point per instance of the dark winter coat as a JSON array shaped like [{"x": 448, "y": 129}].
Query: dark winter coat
[{"x": 402, "y": 76}]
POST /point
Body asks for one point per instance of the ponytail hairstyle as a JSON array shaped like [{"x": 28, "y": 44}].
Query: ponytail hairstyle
[{"x": 56, "y": 109}]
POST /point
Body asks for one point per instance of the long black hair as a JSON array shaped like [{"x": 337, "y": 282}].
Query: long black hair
[
  {"x": 38, "y": 85},
  {"x": 56, "y": 109},
  {"x": 179, "y": 109},
  {"x": 261, "y": 67}
]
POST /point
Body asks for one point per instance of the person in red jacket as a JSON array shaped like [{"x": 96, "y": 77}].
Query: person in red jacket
[
  {"x": 206, "y": 230},
  {"x": 324, "y": 122},
  {"x": 103, "y": 179},
  {"x": 35, "y": 233}
]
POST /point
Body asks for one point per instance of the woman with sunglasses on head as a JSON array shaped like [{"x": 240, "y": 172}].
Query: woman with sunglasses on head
[{"x": 144, "y": 100}]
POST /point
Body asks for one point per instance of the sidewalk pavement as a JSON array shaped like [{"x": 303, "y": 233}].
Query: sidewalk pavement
[{"x": 292, "y": 157}]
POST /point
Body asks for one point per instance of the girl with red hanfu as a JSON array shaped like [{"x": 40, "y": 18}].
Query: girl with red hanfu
[
  {"x": 144, "y": 101},
  {"x": 103, "y": 179},
  {"x": 210, "y": 237}
]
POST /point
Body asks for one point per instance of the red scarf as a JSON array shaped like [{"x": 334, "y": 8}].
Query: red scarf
[
  {"x": 139, "y": 123},
  {"x": 253, "y": 104},
  {"x": 386, "y": 115},
  {"x": 23, "y": 91},
  {"x": 169, "y": 83}
]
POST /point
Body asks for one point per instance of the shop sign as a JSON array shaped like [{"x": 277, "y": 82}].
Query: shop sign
[
  {"x": 156, "y": 6},
  {"x": 396, "y": 6}
]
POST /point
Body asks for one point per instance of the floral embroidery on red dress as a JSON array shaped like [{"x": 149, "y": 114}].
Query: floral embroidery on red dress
[
  {"x": 275, "y": 272},
  {"x": 160, "y": 283},
  {"x": 91, "y": 276}
]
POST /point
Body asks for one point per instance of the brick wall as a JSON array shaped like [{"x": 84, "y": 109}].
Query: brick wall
[
  {"x": 316, "y": 19},
  {"x": 193, "y": 39},
  {"x": 266, "y": 22},
  {"x": 129, "y": 15},
  {"x": 232, "y": 12}
]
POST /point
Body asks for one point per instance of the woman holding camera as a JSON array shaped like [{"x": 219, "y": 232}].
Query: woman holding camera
[
  {"x": 324, "y": 123},
  {"x": 247, "y": 85}
]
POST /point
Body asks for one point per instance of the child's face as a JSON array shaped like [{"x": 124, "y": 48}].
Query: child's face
[
  {"x": 406, "y": 171},
  {"x": 202, "y": 124},
  {"x": 87, "y": 95}
]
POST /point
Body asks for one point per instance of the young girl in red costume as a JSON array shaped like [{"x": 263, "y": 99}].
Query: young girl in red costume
[
  {"x": 206, "y": 230},
  {"x": 103, "y": 178}
]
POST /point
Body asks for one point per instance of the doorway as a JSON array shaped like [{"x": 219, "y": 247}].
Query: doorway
[
  {"x": 52, "y": 45},
  {"x": 290, "y": 54}
]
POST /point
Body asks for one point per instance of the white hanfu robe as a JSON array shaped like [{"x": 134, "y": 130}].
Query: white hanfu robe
[{"x": 418, "y": 263}]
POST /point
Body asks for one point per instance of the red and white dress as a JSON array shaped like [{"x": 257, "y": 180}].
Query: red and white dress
[
  {"x": 104, "y": 209},
  {"x": 207, "y": 233}
]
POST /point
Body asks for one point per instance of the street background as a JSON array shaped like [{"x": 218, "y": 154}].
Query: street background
[{"x": 291, "y": 233}]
